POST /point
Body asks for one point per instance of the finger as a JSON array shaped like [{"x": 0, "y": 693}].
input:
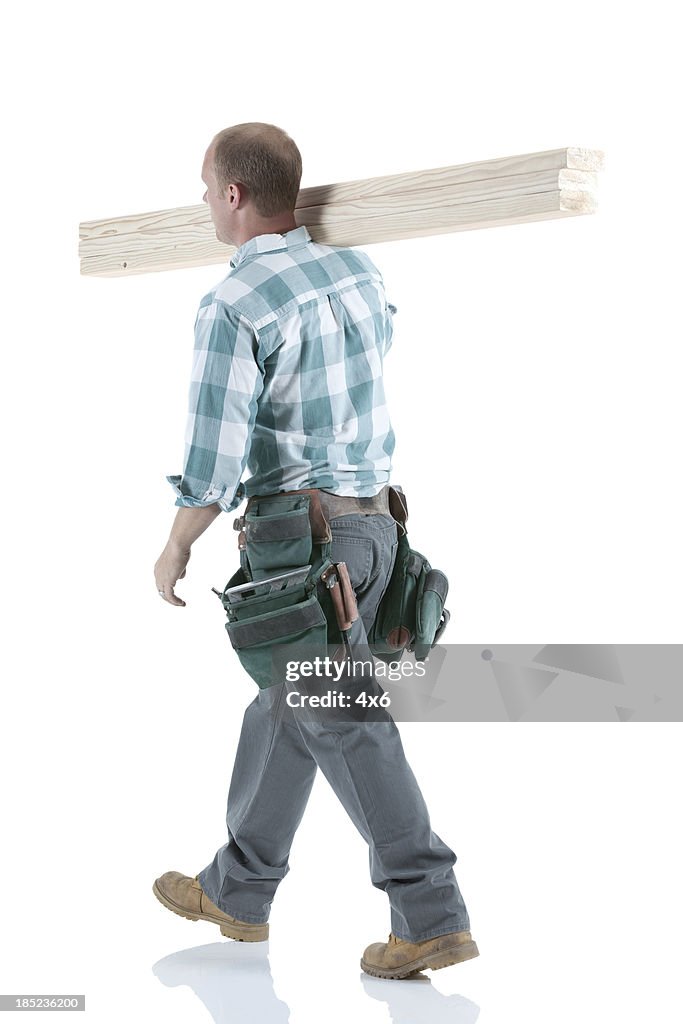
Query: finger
[{"x": 172, "y": 598}]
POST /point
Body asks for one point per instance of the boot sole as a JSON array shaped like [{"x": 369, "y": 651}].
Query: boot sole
[
  {"x": 432, "y": 962},
  {"x": 240, "y": 933}
]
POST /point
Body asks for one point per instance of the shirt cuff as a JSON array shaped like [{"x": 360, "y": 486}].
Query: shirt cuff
[{"x": 215, "y": 495}]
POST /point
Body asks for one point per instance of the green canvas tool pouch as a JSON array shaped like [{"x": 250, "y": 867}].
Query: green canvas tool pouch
[
  {"x": 412, "y": 614},
  {"x": 278, "y": 534}
]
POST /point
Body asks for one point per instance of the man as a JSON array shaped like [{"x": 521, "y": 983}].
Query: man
[{"x": 287, "y": 381}]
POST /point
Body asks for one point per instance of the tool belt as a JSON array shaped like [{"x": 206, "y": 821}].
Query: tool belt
[
  {"x": 291, "y": 594},
  {"x": 279, "y": 534}
]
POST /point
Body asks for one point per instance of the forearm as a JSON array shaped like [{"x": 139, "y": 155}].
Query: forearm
[{"x": 190, "y": 523}]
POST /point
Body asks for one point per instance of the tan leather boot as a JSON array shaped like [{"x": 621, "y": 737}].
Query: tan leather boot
[
  {"x": 185, "y": 897},
  {"x": 398, "y": 958}
]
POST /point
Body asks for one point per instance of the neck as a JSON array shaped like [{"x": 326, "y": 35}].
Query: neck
[{"x": 266, "y": 226}]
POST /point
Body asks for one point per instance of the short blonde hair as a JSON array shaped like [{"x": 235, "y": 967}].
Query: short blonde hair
[{"x": 264, "y": 159}]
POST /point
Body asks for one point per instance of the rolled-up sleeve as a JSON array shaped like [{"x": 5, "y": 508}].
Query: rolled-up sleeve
[{"x": 225, "y": 386}]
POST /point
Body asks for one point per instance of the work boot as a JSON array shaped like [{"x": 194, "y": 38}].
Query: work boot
[
  {"x": 185, "y": 897},
  {"x": 398, "y": 958}
]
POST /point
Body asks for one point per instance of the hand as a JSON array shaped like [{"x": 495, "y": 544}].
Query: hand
[{"x": 169, "y": 568}]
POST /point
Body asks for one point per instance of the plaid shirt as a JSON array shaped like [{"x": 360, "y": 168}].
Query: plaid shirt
[{"x": 287, "y": 375}]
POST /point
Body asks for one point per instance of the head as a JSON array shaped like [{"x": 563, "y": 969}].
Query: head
[{"x": 252, "y": 173}]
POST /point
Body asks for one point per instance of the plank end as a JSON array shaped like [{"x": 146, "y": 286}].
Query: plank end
[{"x": 585, "y": 159}]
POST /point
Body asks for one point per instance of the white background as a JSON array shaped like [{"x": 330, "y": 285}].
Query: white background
[{"x": 534, "y": 379}]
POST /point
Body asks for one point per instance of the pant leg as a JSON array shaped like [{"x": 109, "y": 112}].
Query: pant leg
[
  {"x": 365, "y": 764},
  {"x": 271, "y": 782}
]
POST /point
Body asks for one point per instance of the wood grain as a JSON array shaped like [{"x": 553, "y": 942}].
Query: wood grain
[{"x": 462, "y": 197}]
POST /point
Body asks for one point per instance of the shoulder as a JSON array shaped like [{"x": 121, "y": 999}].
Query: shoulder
[
  {"x": 225, "y": 301},
  {"x": 356, "y": 261}
]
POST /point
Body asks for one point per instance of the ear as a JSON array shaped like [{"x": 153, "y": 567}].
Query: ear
[{"x": 236, "y": 194}]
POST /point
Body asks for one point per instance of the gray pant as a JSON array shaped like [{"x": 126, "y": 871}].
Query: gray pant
[{"x": 364, "y": 762}]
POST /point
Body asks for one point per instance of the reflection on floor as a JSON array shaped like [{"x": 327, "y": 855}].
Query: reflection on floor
[
  {"x": 233, "y": 981},
  {"x": 414, "y": 1000}
]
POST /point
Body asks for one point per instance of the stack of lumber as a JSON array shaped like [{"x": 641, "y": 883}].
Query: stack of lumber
[{"x": 462, "y": 197}]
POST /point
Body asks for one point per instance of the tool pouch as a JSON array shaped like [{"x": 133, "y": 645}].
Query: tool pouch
[
  {"x": 411, "y": 615},
  {"x": 275, "y": 537},
  {"x": 293, "y": 618}
]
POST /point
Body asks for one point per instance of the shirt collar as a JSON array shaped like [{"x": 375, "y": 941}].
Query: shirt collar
[{"x": 293, "y": 239}]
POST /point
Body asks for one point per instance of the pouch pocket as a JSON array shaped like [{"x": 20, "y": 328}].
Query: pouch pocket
[
  {"x": 278, "y": 535},
  {"x": 411, "y": 615},
  {"x": 257, "y": 625},
  {"x": 394, "y": 626},
  {"x": 432, "y": 590}
]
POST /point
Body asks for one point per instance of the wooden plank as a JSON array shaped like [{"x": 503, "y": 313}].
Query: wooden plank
[
  {"x": 508, "y": 190},
  {"x": 549, "y": 160}
]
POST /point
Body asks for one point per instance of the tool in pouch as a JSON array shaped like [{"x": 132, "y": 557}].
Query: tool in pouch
[
  {"x": 287, "y": 591},
  {"x": 412, "y": 614}
]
